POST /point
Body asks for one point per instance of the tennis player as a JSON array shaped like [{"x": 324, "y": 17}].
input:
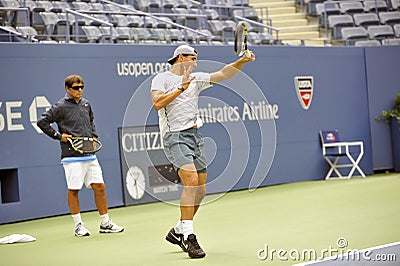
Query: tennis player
[
  {"x": 175, "y": 95},
  {"x": 74, "y": 117}
]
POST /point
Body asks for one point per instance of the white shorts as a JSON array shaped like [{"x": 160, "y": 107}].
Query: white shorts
[{"x": 78, "y": 173}]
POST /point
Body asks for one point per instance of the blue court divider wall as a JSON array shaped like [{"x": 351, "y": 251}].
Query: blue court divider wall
[{"x": 117, "y": 79}]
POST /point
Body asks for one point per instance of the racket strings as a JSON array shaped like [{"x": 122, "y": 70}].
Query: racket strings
[
  {"x": 85, "y": 144},
  {"x": 240, "y": 39}
]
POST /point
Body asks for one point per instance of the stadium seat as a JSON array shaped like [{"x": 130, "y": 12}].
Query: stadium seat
[
  {"x": 326, "y": 9},
  {"x": 253, "y": 38},
  {"x": 238, "y": 2},
  {"x": 79, "y": 6},
  {"x": 96, "y": 7},
  {"x": 124, "y": 35},
  {"x": 167, "y": 5},
  {"x": 159, "y": 35},
  {"x": 180, "y": 15},
  {"x": 149, "y": 22},
  {"x": 341, "y": 154},
  {"x": 110, "y": 7},
  {"x": 366, "y": 19},
  {"x": 367, "y": 43},
  {"x": 216, "y": 27},
  {"x": 50, "y": 19},
  {"x": 166, "y": 24},
  {"x": 62, "y": 5},
  {"x": 175, "y": 35},
  {"x": 140, "y": 34},
  {"x": 211, "y": 14},
  {"x": 90, "y": 22},
  {"x": 375, "y": 6},
  {"x": 390, "y": 18},
  {"x": 350, "y": 7},
  {"x": 353, "y": 34},
  {"x": 115, "y": 37},
  {"x": 337, "y": 22},
  {"x": 391, "y": 42},
  {"x": 135, "y": 21},
  {"x": 48, "y": 6},
  {"x": 121, "y": 20},
  {"x": 151, "y": 6},
  {"x": 228, "y": 30},
  {"x": 183, "y": 4},
  {"x": 92, "y": 33},
  {"x": 28, "y": 32},
  {"x": 396, "y": 28},
  {"x": 266, "y": 38},
  {"x": 395, "y": 4},
  {"x": 248, "y": 13},
  {"x": 220, "y": 6},
  {"x": 210, "y": 37},
  {"x": 9, "y": 15},
  {"x": 381, "y": 32},
  {"x": 312, "y": 6},
  {"x": 10, "y": 34}
]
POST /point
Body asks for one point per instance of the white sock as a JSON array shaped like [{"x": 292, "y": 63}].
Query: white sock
[
  {"x": 104, "y": 218},
  {"x": 187, "y": 226},
  {"x": 178, "y": 228},
  {"x": 77, "y": 218}
]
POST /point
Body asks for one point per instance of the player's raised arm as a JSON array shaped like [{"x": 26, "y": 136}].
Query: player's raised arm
[{"x": 231, "y": 70}]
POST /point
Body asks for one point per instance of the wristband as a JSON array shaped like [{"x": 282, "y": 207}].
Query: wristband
[{"x": 181, "y": 88}]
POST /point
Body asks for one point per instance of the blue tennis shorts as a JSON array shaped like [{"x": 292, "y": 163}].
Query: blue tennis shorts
[{"x": 185, "y": 147}]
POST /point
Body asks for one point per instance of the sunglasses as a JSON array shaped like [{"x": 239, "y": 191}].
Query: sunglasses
[{"x": 76, "y": 88}]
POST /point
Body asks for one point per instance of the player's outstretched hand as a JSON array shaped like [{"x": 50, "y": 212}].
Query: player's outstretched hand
[{"x": 245, "y": 58}]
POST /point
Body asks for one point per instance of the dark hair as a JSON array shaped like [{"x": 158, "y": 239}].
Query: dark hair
[{"x": 71, "y": 79}]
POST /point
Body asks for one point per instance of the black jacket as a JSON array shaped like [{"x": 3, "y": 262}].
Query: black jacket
[{"x": 72, "y": 118}]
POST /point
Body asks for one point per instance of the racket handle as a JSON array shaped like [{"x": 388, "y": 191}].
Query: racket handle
[{"x": 247, "y": 53}]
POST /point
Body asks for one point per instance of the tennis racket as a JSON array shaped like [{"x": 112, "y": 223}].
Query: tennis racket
[
  {"x": 241, "y": 40},
  {"x": 85, "y": 145}
]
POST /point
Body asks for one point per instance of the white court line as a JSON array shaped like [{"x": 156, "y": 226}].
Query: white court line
[{"x": 345, "y": 255}]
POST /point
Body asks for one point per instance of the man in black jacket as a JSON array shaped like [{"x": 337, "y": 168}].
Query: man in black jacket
[{"x": 74, "y": 117}]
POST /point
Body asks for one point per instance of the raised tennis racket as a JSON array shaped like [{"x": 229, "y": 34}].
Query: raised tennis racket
[
  {"x": 241, "y": 40},
  {"x": 85, "y": 145}
]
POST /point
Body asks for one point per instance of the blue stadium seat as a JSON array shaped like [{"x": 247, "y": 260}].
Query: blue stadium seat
[
  {"x": 253, "y": 38},
  {"x": 96, "y": 7},
  {"x": 326, "y": 9},
  {"x": 367, "y": 43},
  {"x": 312, "y": 6},
  {"x": 375, "y": 6},
  {"x": 381, "y": 32},
  {"x": 29, "y": 32},
  {"x": 396, "y": 29},
  {"x": 390, "y": 18},
  {"x": 48, "y": 6},
  {"x": 135, "y": 21},
  {"x": 266, "y": 38},
  {"x": 395, "y": 4},
  {"x": 337, "y": 22},
  {"x": 61, "y": 5},
  {"x": 350, "y": 7},
  {"x": 352, "y": 34},
  {"x": 92, "y": 33},
  {"x": 366, "y": 19},
  {"x": 391, "y": 42}
]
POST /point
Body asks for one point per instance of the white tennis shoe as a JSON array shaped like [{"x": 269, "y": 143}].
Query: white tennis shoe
[
  {"x": 80, "y": 230},
  {"x": 110, "y": 227}
]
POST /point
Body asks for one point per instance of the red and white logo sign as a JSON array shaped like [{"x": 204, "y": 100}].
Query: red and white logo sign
[{"x": 304, "y": 90}]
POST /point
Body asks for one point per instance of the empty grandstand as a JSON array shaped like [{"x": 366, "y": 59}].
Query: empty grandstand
[{"x": 209, "y": 22}]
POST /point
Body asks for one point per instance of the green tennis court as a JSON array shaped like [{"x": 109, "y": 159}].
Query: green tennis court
[{"x": 237, "y": 229}]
